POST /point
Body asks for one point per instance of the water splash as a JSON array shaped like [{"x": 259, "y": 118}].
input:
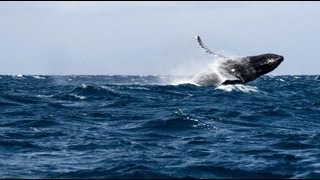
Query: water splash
[{"x": 202, "y": 71}]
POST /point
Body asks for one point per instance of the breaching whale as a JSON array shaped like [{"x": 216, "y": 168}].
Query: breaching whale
[{"x": 240, "y": 70}]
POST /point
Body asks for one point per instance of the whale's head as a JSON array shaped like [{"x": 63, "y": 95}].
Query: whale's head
[
  {"x": 265, "y": 63},
  {"x": 249, "y": 68}
]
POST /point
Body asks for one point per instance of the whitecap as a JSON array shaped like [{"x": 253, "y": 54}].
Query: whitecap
[
  {"x": 139, "y": 88},
  {"x": 35, "y": 129},
  {"x": 84, "y": 86},
  {"x": 45, "y": 96},
  {"x": 238, "y": 87},
  {"x": 183, "y": 81},
  {"x": 38, "y": 77},
  {"x": 79, "y": 97},
  {"x": 18, "y": 75}
]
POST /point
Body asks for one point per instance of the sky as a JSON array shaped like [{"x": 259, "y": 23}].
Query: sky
[{"x": 153, "y": 38}]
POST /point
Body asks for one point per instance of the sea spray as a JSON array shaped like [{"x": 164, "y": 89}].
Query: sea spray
[{"x": 192, "y": 73}]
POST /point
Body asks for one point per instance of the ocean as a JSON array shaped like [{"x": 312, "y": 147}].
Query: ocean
[{"x": 144, "y": 127}]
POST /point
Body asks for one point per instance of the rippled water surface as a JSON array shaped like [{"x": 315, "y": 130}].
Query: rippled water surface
[{"x": 143, "y": 127}]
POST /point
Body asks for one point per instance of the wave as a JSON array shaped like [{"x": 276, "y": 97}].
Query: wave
[
  {"x": 17, "y": 99},
  {"x": 89, "y": 91},
  {"x": 177, "y": 121}
]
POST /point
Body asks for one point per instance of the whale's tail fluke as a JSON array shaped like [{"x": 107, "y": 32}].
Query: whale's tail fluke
[{"x": 207, "y": 49}]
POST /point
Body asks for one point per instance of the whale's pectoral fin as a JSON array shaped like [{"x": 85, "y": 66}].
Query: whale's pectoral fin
[
  {"x": 236, "y": 81},
  {"x": 207, "y": 49},
  {"x": 203, "y": 46}
]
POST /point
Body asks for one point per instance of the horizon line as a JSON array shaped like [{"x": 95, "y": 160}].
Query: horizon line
[{"x": 139, "y": 75}]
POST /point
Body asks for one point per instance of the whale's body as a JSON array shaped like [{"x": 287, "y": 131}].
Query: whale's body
[{"x": 240, "y": 70}]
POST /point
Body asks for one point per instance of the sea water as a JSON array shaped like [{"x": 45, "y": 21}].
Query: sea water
[{"x": 149, "y": 127}]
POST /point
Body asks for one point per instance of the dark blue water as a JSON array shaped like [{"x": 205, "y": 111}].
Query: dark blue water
[{"x": 139, "y": 127}]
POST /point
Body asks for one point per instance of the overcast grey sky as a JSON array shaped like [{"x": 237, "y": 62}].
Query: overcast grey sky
[{"x": 153, "y": 37}]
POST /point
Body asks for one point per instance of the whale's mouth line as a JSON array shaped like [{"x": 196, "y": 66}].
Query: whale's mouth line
[{"x": 280, "y": 59}]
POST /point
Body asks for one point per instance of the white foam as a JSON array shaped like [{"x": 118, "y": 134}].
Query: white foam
[
  {"x": 18, "y": 75},
  {"x": 139, "y": 88},
  {"x": 79, "y": 97},
  {"x": 238, "y": 87},
  {"x": 84, "y": 86},
  {"x": 35, "y": 129},
  {"x": 38, "y": 77},
  {"x": 46, "y": 96}
]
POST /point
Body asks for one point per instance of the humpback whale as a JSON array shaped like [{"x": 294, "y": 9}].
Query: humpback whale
[{"x": 238, "y": 70}]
